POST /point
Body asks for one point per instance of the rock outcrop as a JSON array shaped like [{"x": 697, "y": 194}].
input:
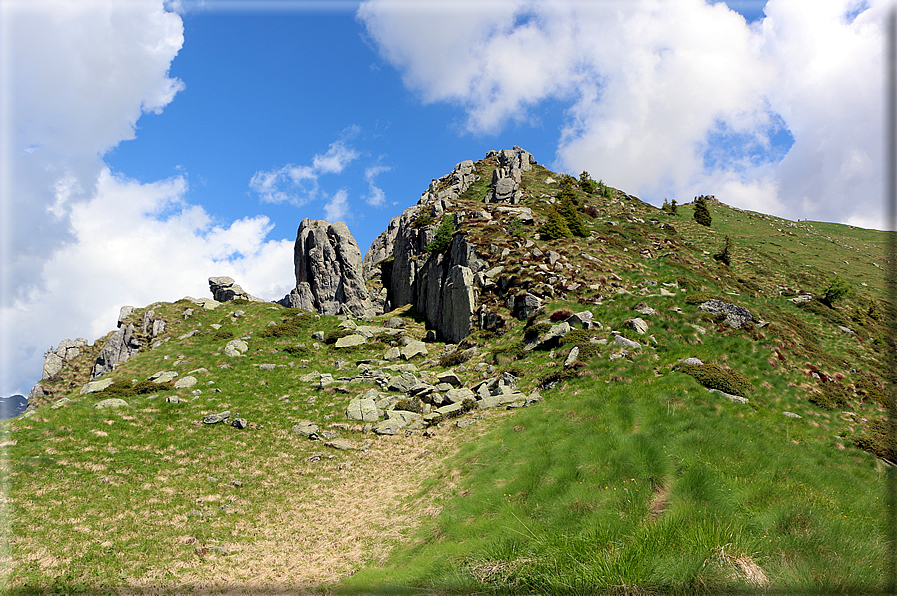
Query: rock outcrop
[
  {"x": 225, "y": 289},
  {"x": 120, "y": 347},
  {"x": 329, "y": 271},
  {"x": 67, "y": 351},
  {"x": 443, "y": 286},
  {"x": 512, "y": 163}
]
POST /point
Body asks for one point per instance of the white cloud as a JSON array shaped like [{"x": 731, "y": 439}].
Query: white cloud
[
  {"x": 123, "y": 253},
  {"x": 650, "y": 84},
  {"x": 376, "y": 197},
  {"x": 338, "y": 206},
  {"x": 298, "y": 185},
  {"x": 338, "y": 156}
]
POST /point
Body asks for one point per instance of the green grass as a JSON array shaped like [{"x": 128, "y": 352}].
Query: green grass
[{"x": 630, "y": 477}]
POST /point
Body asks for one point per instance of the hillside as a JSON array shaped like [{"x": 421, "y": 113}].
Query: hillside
[{"x": 561, "y": 442}]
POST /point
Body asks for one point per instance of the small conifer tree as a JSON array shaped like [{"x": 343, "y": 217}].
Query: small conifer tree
[
  {"x": 556, "y": 226},
  {"x": 572, "y": 218},
  {"x": 673, "y": 207},
  {"x": 702, "y": 213},
  {"x": 838, "y": 288},
  {"x": 586, "y": 183},
  {"x": 725, "y": 255},
  {"x": 666, "y": 205}
]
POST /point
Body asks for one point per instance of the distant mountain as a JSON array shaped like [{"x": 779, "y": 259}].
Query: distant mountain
[{"x": 12, "y": 406}]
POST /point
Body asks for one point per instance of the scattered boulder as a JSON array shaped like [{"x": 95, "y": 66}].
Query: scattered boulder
[
  {"x": 95, "y": 386},
  {"x": 582, "y": 320},
  {"x": 402, "y": 383},
  {"x": 164, "y": 376},
  {"x": 111, "y": 403},
  {"x": 414, "y": 348},
  {"x": 459, "y": 394},
  {"x": 225, "y": 289},
  {"x": 450, "y": 378},
  {"x": 572, "y": 357},
  {"x": 216, "y": 418},
  {"x": 550, "y": 338},
  {"x": 350, "y": 341},
  {"x": 735, "y": 316},
  {"x": 638, "y": 325},
  {"x": 525, "y": 305},
  {"x": 235, "y": 347},
  {"x": 239, "y": 423},
  {"x": 394, "y": 323},
  {"x": 393, "y": 353},
  {"x": 362, "y": 409},
  {"x": 185, "y": 382},
  {"x": 644, "y": 309},
  {"x": 627, "y": 343},
  {"x": 306, "y": 428},
  {"x": 52, "y": 365}
]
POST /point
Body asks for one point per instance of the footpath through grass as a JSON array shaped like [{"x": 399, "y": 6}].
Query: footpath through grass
[{"x": 663, "y": 488}]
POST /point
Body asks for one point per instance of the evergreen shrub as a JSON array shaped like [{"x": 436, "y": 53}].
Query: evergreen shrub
[{"x": 713, "y": 376}]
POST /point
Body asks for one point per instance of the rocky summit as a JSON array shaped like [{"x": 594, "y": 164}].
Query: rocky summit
[{"x": 529, "y": 383}]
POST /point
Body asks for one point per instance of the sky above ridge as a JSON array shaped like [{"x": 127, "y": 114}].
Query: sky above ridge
[{"x": 148, "y": 145}]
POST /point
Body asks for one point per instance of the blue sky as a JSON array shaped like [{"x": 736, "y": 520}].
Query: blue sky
[{"x": 150, "y": 144}]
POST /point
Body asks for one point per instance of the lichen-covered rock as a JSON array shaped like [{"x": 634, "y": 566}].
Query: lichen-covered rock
[
  {"x": 329, "y": 271},
  {"x": 235, "y": 347},
  {"x": 413, "y": 348},
  {"x": 627, "y": 343},
  {"x": 350, "y": 341},
  {"x": 362, "y": 409},
  {"x": 185, "y": 382},
  {"x": 525, "y": 305}
]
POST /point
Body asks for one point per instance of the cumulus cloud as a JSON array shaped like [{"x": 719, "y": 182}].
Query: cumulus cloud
[
  {"x": 78, "y": 241},
  {"x": 668, "y": 98},
  {"x": 298, "y": 185},
  {"x": 124, "y": 251}
]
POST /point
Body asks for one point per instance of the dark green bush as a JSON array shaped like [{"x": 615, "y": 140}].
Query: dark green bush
[
  {"x": 586, "y": 183},
  {"x": 122, "y": 388},
  {"x": 576, "y": 337},
  {"x": 725, "y": 254},
  {"x": 534, "y": 331},
  {"x": 423, "y": 219},
  {"x": 838, "y": 288},
  {"x": 454, "y": 358},
  {"x": 443, "y": 238},
  {"x": 223, "y": 333},
  {"x": 289, "y": 326},
  {"x": 713, "y": 376},
  {"x": 880, "y": 439},
  {"x": 297, "y": 351}
]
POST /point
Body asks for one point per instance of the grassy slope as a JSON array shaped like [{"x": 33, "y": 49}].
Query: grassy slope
[{"x": 628, "y": 476}]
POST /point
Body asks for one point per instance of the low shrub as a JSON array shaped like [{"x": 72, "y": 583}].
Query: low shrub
[
  {"x": 534, "y": 331},
  {"x": 122, "y": 388},
  {"x": 223, "y": 333},
  {"x": 331, "y": 337},
  {"x": 289, "y": 326},
  {"x": 454, "y": 358},
  {"x": 576, "y": 337},
  {"x": 700, "y": 298},
  {"x": 832, "y": 396},
  {"x": 410, "y": 404},
  {"x": 713, "y": 376},
  {"x": 297, "y": 351},
  {"x": 880, "y": 439}
]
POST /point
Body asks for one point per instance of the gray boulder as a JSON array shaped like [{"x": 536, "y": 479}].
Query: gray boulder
[
  {"x": 362, "y": 409},
  {"x": 306, "y": 428},
  {"x": 235, "y": 347},
  {"x": 111, "y": 403},
  {"x": 52, "y": 365},
  {"x": 572, "y": 357},
  {"x": 638, "y": 325},
  {"x": 120, "y": 347},
  {"x": 163, "y": 376},
  {"x": 185, "y": 382},
  {"x": 327, "y": 259},
  {"x": 627, "y": 343},
  {"x": 95, "y": 386},
  {"x": 414, "y": 348},
  {"x": 581, "y": 320},
  {"x": 402, "y": 383},
  {"x": 550, "y": 338},
  {"x": 225, "y": 289},
  {"x": 123, "y": 314},
  {"x": 350, "y": 341},
  {"x": 735, "y": 316},
  {"x": 459, "y": 395},
  {"x": 525, "y": 305}
]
